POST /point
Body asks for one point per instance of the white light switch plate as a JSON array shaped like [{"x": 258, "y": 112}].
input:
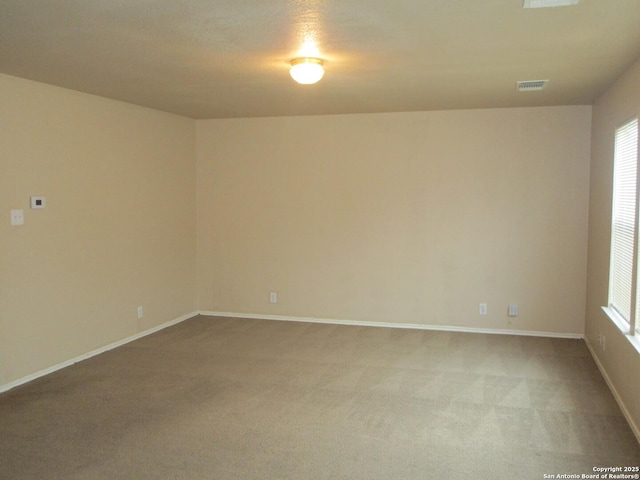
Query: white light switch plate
[{"x": 17, "y": 217}]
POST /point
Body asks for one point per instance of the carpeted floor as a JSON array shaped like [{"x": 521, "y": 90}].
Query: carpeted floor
[{"x": 219, "y": 398}]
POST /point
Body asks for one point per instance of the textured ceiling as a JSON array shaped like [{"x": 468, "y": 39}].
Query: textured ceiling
[{"x": 230, "y": 58}]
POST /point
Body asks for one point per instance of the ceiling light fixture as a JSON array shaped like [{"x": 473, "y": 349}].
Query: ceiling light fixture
[{"x": 307, "y": 70}]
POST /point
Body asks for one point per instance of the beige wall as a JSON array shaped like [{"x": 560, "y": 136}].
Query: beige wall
[
  {"x": 118, "y": 230},
  {"x": 407, "y": 217},
  {"x": 619, "y": 359}
]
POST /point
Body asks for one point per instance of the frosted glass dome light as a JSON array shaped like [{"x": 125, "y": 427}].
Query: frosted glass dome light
[{"x": 307, "y": 70}]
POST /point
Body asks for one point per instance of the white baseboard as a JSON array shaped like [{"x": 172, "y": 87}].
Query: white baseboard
[
  {"x": 93, "y": 353},
  {"x": 415, "y": 326},
  {"x": 623, "y": 407}
]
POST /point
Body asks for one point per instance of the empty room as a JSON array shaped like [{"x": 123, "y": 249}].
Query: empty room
[{"x": 319, "y": 240}]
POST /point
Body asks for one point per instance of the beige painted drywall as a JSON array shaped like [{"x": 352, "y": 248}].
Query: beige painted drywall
[
  {"x": 405, "y": 217},
  {"x": 619, "y": 359},
  {"x": 118, "y": 230}
]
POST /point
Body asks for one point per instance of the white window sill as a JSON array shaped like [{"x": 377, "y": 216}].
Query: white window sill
[{"x": 623, "y": 326}]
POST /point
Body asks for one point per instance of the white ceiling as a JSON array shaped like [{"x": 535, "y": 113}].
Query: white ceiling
[{"x": 230, "y": 58}]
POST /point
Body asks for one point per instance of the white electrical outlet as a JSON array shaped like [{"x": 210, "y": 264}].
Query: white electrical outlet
[
  {"x": 482, "y": 309},
  {"x": 273, "y": 297},
  {"x": 140, "y": 312},
  {"x": 513, "y": 310}
]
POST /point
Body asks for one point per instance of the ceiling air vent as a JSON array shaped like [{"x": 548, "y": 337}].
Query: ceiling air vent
[
  {"x": 531, "y": 85},
  {"x": 548, "y": 3}
]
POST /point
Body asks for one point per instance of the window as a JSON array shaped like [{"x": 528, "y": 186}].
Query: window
[{"x": 623, "y": 276}]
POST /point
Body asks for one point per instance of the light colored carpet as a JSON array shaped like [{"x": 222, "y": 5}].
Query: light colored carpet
[{"x": 219, "y": 398}]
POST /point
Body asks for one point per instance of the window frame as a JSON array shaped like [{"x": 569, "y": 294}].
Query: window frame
[{"x": 629, "y": 326}]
